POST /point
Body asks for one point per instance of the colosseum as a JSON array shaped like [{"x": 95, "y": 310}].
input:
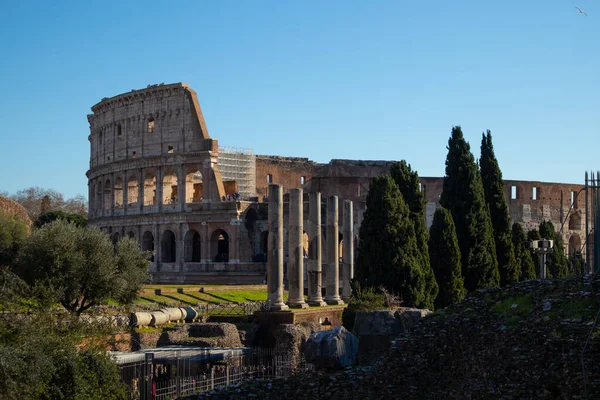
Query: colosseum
[{"x": 157, "y": 176}]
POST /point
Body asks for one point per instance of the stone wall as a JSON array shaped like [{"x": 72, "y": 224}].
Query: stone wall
[{"x": 291, "y": 172}]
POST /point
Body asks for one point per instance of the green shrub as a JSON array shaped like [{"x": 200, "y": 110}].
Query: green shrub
[{"x": 362, "y": 300}]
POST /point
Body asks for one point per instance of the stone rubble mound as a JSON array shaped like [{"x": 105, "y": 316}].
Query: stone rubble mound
[{"x": 532, "y": 340}]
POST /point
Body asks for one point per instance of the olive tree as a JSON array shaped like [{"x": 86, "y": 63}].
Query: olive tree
[{"x": 81, "y": 267}]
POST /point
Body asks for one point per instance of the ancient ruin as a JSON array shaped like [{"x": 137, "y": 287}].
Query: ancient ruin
[{"x": 157, "y": 176}]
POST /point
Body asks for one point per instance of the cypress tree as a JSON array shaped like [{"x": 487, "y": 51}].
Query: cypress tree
[
  {"x": 387, "y": 253},
  {"x": 462, "y": 194},
  {"x": 493, "y": 188},
  {"x": 522, "y": 254},
  {"x": 445, "y": 259},
  {"x": 408, "y": 183},
  {"x": 556, "y": 262},
  {"x": 534, "y": 234}
]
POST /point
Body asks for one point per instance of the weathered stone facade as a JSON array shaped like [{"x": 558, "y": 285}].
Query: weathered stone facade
[
  {"x": 154, "y": 176},
  {"x": 11, "y": 207}
]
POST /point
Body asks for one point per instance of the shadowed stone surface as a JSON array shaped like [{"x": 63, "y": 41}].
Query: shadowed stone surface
[{"x": 334, "y": 348}]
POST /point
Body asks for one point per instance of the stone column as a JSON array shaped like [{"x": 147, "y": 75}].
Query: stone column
[
  {"x": 314, "y": 250},
  {"x": 157, "y": 247},
  {"x": 125, "y": 192},
  {"x": 348, "y": 250},
  {"x": 332, "y": 291},
  {"x": 159, "y": 189},
  {"x": 295, "y": 250},
  {"x": 181, "y": 188},
  {"x": 275, "y": 252}
]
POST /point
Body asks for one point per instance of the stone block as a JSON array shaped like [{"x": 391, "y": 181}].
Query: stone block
[{"x": 335, "y": 348}]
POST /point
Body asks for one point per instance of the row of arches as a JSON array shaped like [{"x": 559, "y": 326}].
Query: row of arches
[
  {"x": 107, "y": 195},
  {"x": 192, "y": 245}
]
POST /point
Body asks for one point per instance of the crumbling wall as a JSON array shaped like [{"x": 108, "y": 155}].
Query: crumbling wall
[{"x": 290, "y": 172}]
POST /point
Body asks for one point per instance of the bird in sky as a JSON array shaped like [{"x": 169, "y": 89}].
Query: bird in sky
[{"x": 581, "y": 12}]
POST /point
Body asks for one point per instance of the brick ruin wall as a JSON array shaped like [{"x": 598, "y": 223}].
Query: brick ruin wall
[
  {"x": 291, "y": 172},
  {"x": 11, "y": 207}
]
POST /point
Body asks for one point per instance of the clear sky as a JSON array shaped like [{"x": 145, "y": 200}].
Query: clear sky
[{"x": 382, "y": 80}]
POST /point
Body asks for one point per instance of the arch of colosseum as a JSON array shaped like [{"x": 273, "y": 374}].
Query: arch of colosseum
[{"x": 157, "y": 176}]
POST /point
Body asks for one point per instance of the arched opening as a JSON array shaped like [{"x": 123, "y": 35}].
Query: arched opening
[
  {"x": 131, "y": 235},
  {"x": 193, "y": 187},
  {"x": 264, "y": 245},
  {"x": 575, "y": 222},
  {"x": 132, "y": 191},
  {"x": 150, "y": 190},
  {"x": 118, "y": 192},
  {"x": 107, "y": 192},
  {"x": 148, "y": 243},
  {"x": 574, "y": 245},
  {"x": 168, "y": 247},
  {"x": 170, "y": 188},
  {"x": 220, "y": 245},
  {"x": 192, "y": 246},
  {"x": 98, "y": 204},
  {"x": 115, "y": 238}
]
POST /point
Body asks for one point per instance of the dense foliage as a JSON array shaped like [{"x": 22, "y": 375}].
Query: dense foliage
[
  {"x": 527, "y": 268},
  {"x": 80, "y": 267},
  {"x": 387, "y": 253},
  {"x": 52, "y": 216},
  {"x": 493, "y": 188},
  {"x": 13, "y": 233},
  {"x": 408, "y": 183},
  {"x": 463, "y": 195},
  {"x": 445, "y": 259},
  {"x": 556, "y": 261},
  {"x": 41, "y": 352}
]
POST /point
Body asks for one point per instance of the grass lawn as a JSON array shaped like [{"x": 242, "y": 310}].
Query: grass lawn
[{"x": 191, "y": 295}]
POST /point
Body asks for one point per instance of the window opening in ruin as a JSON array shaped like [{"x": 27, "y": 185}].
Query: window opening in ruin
[
  {"x": 151, "y": 125},
  {"x": 119, "y": 130},
  {"x": 107, "y": 193},
  {"x": 220, "y": 246},
  {"x": 513, "y": 192},
  {"x": 168, "y": 247},
  {"x": 170, "y": 150},
  {"x": 534, "y": 194},
  {"x": 133, "y": 154},
  {"x": 118, "y": 192},
  {"x": 131, "y": 235},
  {"x": 100, "y": 137},
  {"x": 148, "y": 243},
  {"x": 170, "y": 188},
  {"x": 150, "y": 190},
  {"x": 574, "y": 199},
  {"x": 302, "y": 180},
  {"x": 269, "y": 178},
  {"x": 193, "y": 187},
  {"x": 115, "y": 238},
  {"x": 192, "y": 246},
  {"x": 132, "y": 191}
]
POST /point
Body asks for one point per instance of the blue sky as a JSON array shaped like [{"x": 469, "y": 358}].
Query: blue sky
[{"x": 380, "y": 80}]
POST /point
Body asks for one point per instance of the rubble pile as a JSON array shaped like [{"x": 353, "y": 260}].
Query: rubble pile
[{"x": 534, "y": 339}]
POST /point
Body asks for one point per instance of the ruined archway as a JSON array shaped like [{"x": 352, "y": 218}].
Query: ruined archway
[
  {"x": 132, "y": 191},
  {"x": 168, "y": 247},
  {"x": 192, "y": 246},
  {"x": 219, "y": 242},
  {"x": 148, "y": 243},
  {"x": 170, "y": 188},
  {"x": 118, "y": 192},
  {"x": 193, "y": 187},
  {"x": 115, "y": 238},
  {"x": 150, "y": 190},
  {"x": 107, "y": 193}
]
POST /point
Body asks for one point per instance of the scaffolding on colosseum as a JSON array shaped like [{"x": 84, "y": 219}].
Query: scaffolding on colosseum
[
  {"x": 239, "y": 165},
  {"x": 592, "y": 186}
]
